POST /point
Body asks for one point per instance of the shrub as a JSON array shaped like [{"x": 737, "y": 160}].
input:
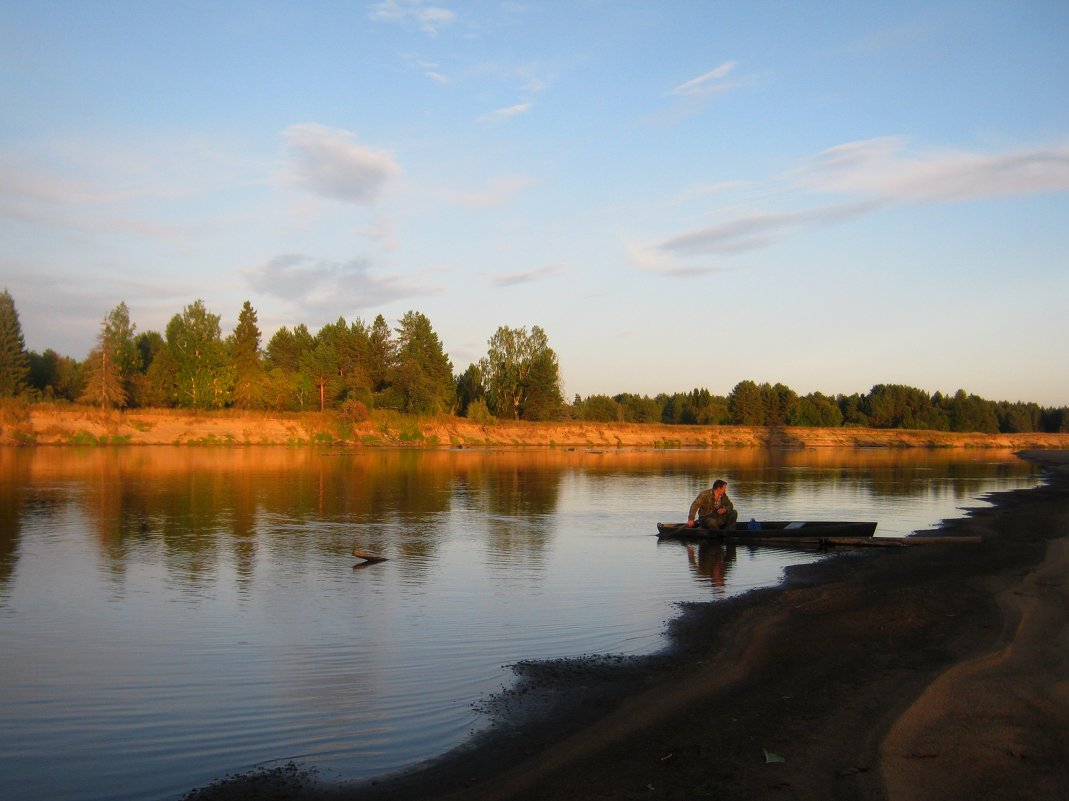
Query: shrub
[
  {"x": 353, "y": 411},
  {"x": 478, "y": 412}
]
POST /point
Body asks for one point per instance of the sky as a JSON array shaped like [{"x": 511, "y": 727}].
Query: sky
[{"x": 830, "y": 195}]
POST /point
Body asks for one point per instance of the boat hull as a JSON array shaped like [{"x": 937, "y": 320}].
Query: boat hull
[{"x": 778, "y": 529}]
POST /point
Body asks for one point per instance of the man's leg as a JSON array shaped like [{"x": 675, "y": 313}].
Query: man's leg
[{"x": 712, "y": 522}]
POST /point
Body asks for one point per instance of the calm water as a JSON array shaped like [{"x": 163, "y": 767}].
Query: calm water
[{"x": 172, "y": 615}]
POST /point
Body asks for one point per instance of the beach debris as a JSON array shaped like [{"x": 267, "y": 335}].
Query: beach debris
[{"x": 770, "y": 757}]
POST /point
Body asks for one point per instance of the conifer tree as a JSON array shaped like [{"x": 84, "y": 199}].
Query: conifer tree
[
  {"x": 246, "y": 359},
  {"x": 382, "y": 352},
  {"x": 14, "y": 361},
  {"x": 424, "y": 374},
  {"x": 112, "y": 364}
]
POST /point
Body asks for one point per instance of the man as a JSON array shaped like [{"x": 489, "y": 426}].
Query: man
[{"x": 713, "y": 509}]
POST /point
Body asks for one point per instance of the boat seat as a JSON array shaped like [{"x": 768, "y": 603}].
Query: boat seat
[{"x": 794, "y": 525}]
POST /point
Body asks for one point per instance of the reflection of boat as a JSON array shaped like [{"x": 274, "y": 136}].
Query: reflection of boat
[{"x": 772, "y": 529}]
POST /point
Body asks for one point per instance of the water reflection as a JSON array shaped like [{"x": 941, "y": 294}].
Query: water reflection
[
  {"x": 712, "y": 560},
  {"x": 200, "y": 506},
  {"x": 196, "y": 609}
]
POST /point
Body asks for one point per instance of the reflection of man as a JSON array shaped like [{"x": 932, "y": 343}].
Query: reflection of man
[
  {"x": 711, "y": 561},
  {"x": 712, "y": 509}
]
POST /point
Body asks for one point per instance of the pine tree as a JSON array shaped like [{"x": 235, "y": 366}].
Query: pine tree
[
  {"x": 424, "y": 374},
  {"x": 382, "y": 353},
  {"x": 14, "y": 361},
  {"x": 247, "y": 363},
  {"x": 112, "y": 364}
]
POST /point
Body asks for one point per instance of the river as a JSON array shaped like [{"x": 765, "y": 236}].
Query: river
[{"x": 170, "y": 615}]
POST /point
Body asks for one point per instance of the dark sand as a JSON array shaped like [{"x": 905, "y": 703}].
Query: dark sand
[{"x": 930, "y": 672}]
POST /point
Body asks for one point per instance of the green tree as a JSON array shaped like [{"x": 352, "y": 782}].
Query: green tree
[
  {"x": 600, "y": 409},
  {"x": 423, "y": 374},
  {"x": 353, "y": 344},
  {"x": 203, "y": 377},
  {"x": 247, "y": 360},
  {"x": 638, "y": 408},
  {"x": 55, "y": 377},
  {"x": 746, "y": 405},
  {"x": 820, "y": 411},
  {"x": 153, "y": 385},
  {"x": 972, "y": 413},
  {"x": 382, "y": 353},
  {"x": 14, "y": 361},
  {"x": 287, "y": 388},
  {"x": 852, "y": 408},
  {"x": 470, "y": 388},
  {"x": 543, "y": 399},
  {"x": 320, "y": 368},
  {"x": 113, "y": 363},
  {"x": 285, "y": 347},
  {"x": 780, "y": 403},
  {"x": 516, "y": 364}
]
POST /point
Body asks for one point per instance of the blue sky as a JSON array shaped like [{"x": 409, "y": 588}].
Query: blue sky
[{"x": 682, "y": 194}]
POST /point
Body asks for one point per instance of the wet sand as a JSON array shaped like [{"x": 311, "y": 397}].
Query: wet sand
[{"x": 912, "y": 674}]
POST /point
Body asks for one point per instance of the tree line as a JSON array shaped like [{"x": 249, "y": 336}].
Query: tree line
[
  {"x": 351, "y": 367},
  {"x": 354, "y": 367}
]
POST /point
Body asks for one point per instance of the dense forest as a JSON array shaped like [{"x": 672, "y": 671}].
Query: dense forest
[{"x": 354, "y": 367}]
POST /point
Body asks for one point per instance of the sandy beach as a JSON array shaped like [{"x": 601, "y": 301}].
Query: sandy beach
[{"x": 931, "y": 672}]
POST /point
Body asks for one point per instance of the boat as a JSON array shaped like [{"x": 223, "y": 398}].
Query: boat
[{"x": 772, "y": 529}]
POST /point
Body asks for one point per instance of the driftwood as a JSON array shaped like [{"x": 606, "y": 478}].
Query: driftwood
[{"x": 369, "y": 558}]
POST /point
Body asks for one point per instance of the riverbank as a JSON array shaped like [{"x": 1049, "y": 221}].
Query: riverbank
[
  {"x": 47, "y": 424},
  {"x": 922, "y": 673}
]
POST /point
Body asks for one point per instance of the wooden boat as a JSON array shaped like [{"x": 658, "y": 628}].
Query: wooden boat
[{"x": 772, "y": 529}]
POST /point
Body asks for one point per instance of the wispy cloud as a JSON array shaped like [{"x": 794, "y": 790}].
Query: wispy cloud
[
  {"x": 502, "y": 114},
  {"x": 427, "y": 17},
  {"x": 328, "y": 287},
  {"x": 759, "y": 230},
  {"x": 330, "y": 163},
  {"x": 870, "y": 174},
  {"x": 526, "y": 276},
  {"x": 886, "y": 168},
  {"x": 709, "y": 83},
  {"x": 94, "y": 190}
]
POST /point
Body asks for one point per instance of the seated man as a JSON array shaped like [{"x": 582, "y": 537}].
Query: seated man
[{"x": 713, "y": 509}]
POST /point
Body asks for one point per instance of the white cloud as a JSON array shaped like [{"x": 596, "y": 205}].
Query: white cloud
[
  {"x": 506, "y": 113},
  {"x": 328, "y": 288},
  {"x": 872, "y": 174},
  {"x": 885, "y": 168},
  {"x": 330, "y": 163},
  {"x": 428, "y": 18},
  {"x": 708, "y": 83}
]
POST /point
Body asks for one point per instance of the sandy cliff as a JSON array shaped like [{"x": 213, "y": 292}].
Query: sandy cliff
[{"x": 55, "y": 425}]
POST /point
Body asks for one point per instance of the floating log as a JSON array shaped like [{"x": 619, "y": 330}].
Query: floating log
[{"x": 368, "y": 557}]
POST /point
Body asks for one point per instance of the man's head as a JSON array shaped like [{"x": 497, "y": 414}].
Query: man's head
[{"x": 719, "y": 487}]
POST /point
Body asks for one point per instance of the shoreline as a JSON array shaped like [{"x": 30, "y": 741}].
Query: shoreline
[
  {"x": 938, "y": 672},
  {"x": 53, "y": 425}
]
